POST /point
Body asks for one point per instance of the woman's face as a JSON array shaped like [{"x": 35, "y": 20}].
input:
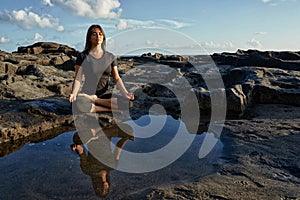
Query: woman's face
[
  {"x": 96, "y": 37},
  {"x": 105, "y": 186},
  {"x": 101, "y": 188}
]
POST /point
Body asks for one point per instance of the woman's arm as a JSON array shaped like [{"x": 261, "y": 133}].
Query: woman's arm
[
  {"x": 118, "y": 81},
  {"x": 76, "y": 83}
]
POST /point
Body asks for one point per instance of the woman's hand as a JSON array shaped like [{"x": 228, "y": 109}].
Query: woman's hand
[
  {"x": 130, "y": 96},
  {"x": 78, "y": 148},
  {"x": 72, "y": 98}
]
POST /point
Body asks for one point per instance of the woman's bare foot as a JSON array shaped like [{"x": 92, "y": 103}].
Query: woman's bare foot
[
  {"x": 119, "y": 146},
  {"x": 96, "y": 108},
  {"x": 92, "y": 98},
  {"x": 118, "y": 153}
]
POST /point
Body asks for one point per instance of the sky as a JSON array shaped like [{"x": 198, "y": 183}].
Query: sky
[{"x": 176, "y": 26}]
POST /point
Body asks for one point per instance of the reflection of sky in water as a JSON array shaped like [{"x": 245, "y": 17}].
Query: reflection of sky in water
[
  {"x": 49, "y": 170},
  {"x": 160, "y": 140}
]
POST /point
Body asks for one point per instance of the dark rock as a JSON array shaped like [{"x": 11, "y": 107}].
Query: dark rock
[
  {"x": 281, "y": 60},
  {"x": 35, "y": 70},
  {"x": 21, "y": 119},
  {"x": 46, "y": 69},
  {"x": 68, "y": 65},
  {"x": 13, "y": 145},
  {"x": 255, "y": 163},
  {"x": 46, "y": 48},
  {"x": 36, "y": 80},
  {"x": 7, "y": 68}
]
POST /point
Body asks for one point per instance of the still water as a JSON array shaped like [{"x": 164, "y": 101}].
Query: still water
[{"x": 51, "y": 170}]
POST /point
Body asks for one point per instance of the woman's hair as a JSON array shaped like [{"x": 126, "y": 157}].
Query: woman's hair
[
  {"x": 88, "y": 44},
  {"x": 76, "y": 139},
  {"x": 98, "y": 185}
]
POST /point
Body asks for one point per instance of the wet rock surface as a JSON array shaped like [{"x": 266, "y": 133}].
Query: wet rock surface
[
  {"x": 260, "y": 161},
  {"x": 261, "y": 134},
  {"x": 21, "y": 119}
]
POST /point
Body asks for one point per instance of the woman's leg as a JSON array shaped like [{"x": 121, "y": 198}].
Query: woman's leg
[
  {"x": 118, "y": 149},
  {"x": 109, "y": 103}
]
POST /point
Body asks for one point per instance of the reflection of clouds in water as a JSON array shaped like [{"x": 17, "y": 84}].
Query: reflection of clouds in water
[
  {"x": 61, "y": 164},
  {"x": 208, "y": 144},
  {"x": 148, "y": 125},
  {"x": 171, "y": 141},
  {"x": 173, "y": 131}
]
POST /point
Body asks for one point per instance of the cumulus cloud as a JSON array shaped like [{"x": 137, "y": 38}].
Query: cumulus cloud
[
  {"x": 47, "y": 3},
  {"x": 26, "y": 41},
  {"x": 124, "y": 24},
  {"x": 214, "y": 45},
  {"x": 60, "y": 28},
  {"x": 173, "y": 23},
  {"x": 276, "y": 2},
  {"x": 27, "y": 19},
  {"x": 133, "y": 24},
  {"x": 265, "y": 1},
  {"x": 4, "y": 40},
  {"x": 38, "y": 37},
  {"x": 254, "y": 43},
  {"x": 260, "y": 33},
  {"x": 90, "y": 8}
]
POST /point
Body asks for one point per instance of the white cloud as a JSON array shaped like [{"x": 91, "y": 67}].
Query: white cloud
[
  {"x": 261, "y": 33},
  {"x": 126, "y": 24},
  {"x": 90, "y": 8},
  {"x": 265, "y": 1},
  {"x": 254, "y": 43},
  {"x": 270, "y": 2},
  {"x": 38, "y": 37},
  {"x": 27, "y": 20},
  {"x": 173, "y": 23},
  {"x": 153, "y": 39},
  {"x": 122, "y": 25},
  {"x": 4, "y": 40},
  {"x": 213, "y": 45},
  {"x": 27, "y": 41},
  {"x": 47, "y": 3},
  {"x": 276, "y": 2},
  {"x": 60, "y": 28}
]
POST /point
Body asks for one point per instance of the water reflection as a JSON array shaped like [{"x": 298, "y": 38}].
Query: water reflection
[
  {"x": 15, "y": 145},
  {"x": 49, "y": 169},
  {"x": 103, "y": 160}
]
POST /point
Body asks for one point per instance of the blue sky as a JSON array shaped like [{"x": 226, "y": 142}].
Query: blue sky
[{"x": 215, "y": 25}]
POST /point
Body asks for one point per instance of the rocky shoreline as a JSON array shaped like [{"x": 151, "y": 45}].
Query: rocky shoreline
[
  {"x": 262, "y": 126},
  {"x": 260, "y": 161}
]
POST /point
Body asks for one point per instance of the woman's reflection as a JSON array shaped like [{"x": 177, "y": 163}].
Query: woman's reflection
[{"x": 102, "y": 160}]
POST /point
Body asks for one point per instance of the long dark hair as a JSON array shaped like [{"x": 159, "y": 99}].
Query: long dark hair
[
  {"x": 98, "y": 185},
  {"x": 88, "y": 44}
]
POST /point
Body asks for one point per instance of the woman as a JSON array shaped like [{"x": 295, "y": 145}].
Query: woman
[{"x": 96, "y": 65}]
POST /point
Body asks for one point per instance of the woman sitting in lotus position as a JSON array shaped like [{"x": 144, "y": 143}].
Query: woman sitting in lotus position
[{"x": 92, "y": 72}]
